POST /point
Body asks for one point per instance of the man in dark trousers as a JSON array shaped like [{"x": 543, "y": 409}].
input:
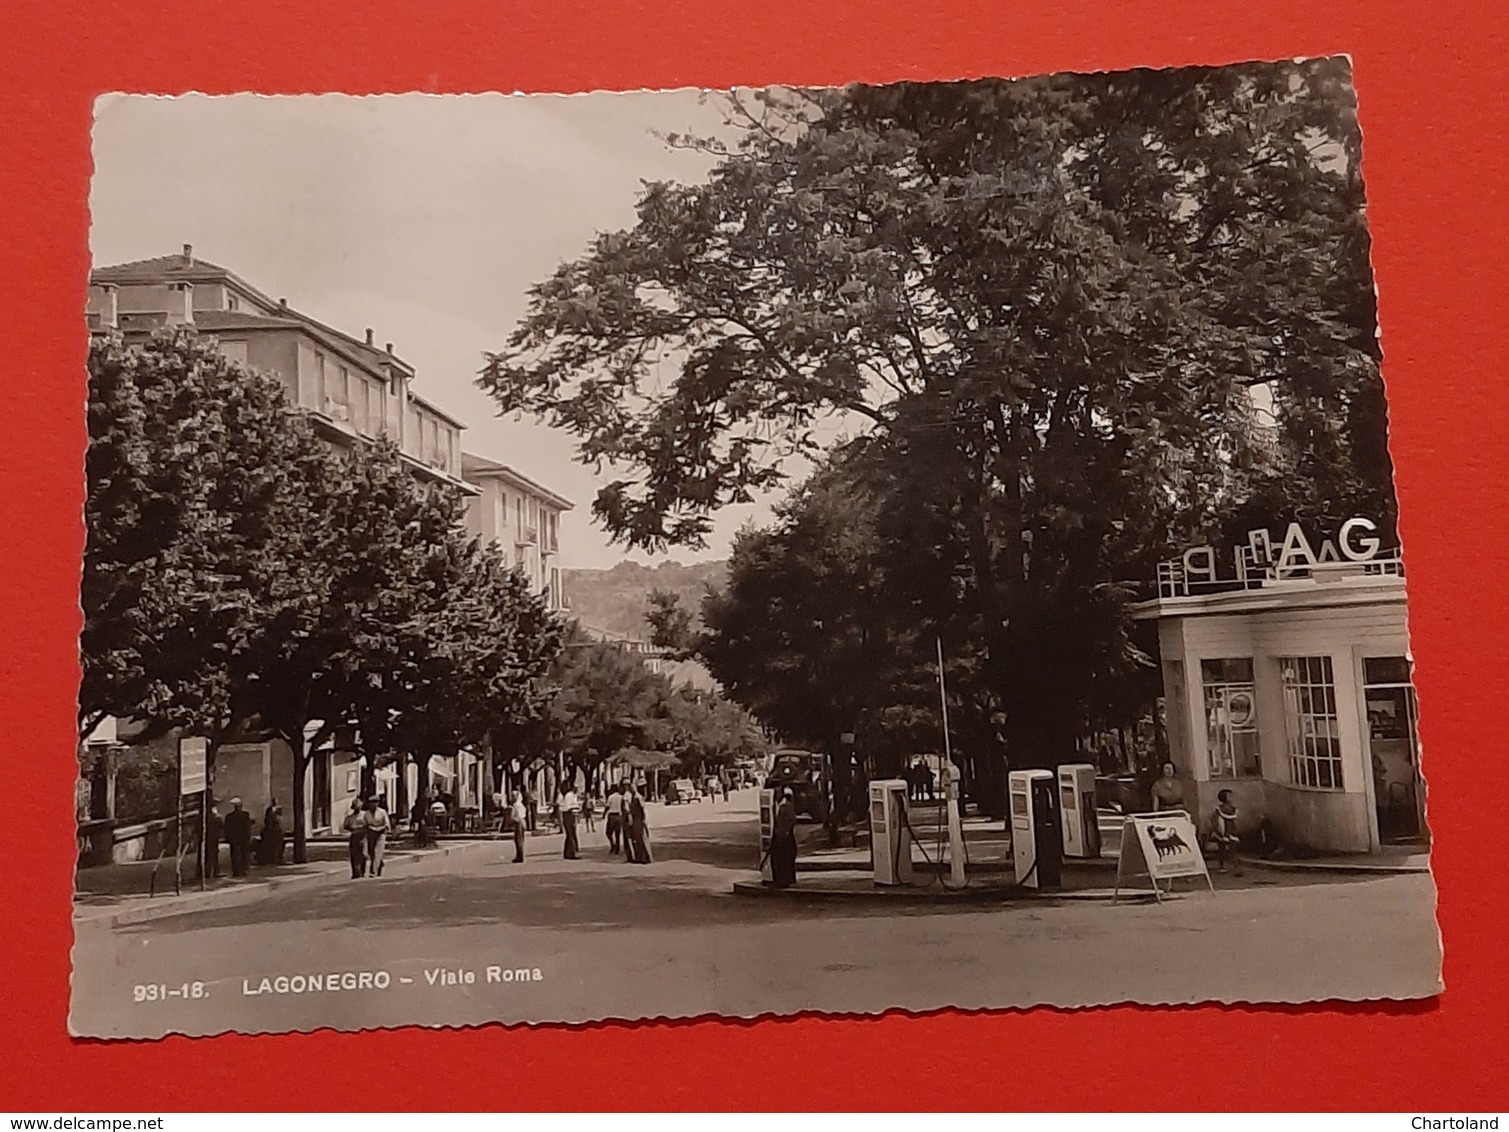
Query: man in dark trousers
[
  {"x": 518, "y": 820},
  {"x": 569, "y": 804},
  {"x": 783, "y": 842},
  {"x": 238, "y": 832},
  {"x": 212, "y": 832},
  {"x": 615, "y": 820}
]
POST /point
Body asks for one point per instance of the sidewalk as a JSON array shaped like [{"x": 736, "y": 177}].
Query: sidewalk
[
  {"x": 1388, "y": 860},
  {"x": 116, "y": 895}
]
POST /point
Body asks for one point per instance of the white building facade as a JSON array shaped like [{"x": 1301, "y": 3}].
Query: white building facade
[
  {"x": 522, "y": 517},
  {"x": 1289, "y": 684}
]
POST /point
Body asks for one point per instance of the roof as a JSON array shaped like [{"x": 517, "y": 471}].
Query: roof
[
  {"x": 166, "y": 268},
  {"x": 1305, "y": 593},
  {"x": 242, "y": 320},
  {"x": 189, "y": 269},
  {"x": 439, "y": 412},
  {"x": 476, "y": 468}
]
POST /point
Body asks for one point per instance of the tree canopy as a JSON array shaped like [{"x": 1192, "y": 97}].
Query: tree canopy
[
  {"x": 1048, "y": 304},
  {"x": 242, "y": 573}
]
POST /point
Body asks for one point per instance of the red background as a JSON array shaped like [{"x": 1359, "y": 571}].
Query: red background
[{"x": 1433, "y": 97}]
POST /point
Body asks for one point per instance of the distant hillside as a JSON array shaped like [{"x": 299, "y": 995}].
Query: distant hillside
[{"x": 616, "y": 599}]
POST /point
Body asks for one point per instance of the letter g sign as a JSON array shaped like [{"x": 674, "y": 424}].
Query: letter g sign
[{"x": 1358, "y": 549}]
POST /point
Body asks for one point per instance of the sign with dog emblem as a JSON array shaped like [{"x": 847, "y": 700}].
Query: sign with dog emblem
[{"x": 1159, "y": 847}]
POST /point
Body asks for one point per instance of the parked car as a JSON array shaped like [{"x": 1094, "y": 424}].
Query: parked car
[
  {"x": 807, "y": 776},
  {"x": 681, "y": 790}
]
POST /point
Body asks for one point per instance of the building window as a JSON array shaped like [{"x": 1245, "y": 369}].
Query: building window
[
  {"x": 232, "y": 303},
  {"x": 319, "y": 382},
  {"x": 361, "y": 404},
  {"x": 555, "y": 587},
  {"x": 1310, "y": 720},
  {"x": 1231, "y": 733}
]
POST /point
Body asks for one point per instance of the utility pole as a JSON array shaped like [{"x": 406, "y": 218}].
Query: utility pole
[{"x": 951, "y": 787}]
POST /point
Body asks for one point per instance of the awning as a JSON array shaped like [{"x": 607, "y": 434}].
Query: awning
[{"x": 645, "y": 760}]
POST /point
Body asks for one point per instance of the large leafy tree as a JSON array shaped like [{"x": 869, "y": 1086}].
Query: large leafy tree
[
  {"x": 241, "y": 573},
  {"x": 471, "y": 662},
  {"x": 1047, "y": 300},
  {"x": 194, "y": 469},
  {"x": 378, "y": 548},
  {"x": 606, "y": 700},
  {"x": 805, "y": 635}
]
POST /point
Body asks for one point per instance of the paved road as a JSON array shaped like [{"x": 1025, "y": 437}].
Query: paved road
[{"x": 598, "y": 938}]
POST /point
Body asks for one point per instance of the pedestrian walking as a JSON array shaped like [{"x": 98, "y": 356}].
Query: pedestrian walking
[
  {"x": 638, "y": 829},
  {"x": 588, "y": 806},
  {"x": 531, "y": 803},
  {"x": 238, "y": 832},
  {"x": 213, "y": 827},
  {"x": 355, "y": 825},
  {"x": 377, "y": 835},
  {"x": 723, "y": 782},
  {"x": 615, "y": 819},
  {"x": 270, "y": 844},
  {"x": 569, "y": 805},
  {"x": 1226, "y": 833},
  {"x": 518, "y": 819},
  {"x": 783, "y": 842}
]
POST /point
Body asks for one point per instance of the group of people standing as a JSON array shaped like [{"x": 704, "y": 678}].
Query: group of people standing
[
  {"x": 1168, "y": 794},
  {"x": 238, "y": 831},
  {"x": 367, "y": 826},
  {"x": 626, "y": 826}
]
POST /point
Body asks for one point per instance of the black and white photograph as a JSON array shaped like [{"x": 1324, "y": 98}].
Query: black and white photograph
[{"x": 672, "y": 554}]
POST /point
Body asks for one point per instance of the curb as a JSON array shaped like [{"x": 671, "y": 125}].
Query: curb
[
  {"x": 162, "y": 907},
  {"x": 995, "y": 894},
  {"x": 1338, "y": 867}
]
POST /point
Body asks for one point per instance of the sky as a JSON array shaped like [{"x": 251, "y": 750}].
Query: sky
[{"x": 424, "y": 217}]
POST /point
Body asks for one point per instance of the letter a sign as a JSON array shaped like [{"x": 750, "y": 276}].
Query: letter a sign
[{"x": 1159, "y": 847}]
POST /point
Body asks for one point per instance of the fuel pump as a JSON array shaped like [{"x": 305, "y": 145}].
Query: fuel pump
[
  {"x": 1036, "y": 840},
  {"x": 1076, "y": 795},
  {"x": 767, "y": 831},
  {"x": 890, "y": 834}
]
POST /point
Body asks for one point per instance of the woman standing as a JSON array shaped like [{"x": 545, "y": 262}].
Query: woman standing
[
  {"x": 1168, "y": 791},
  {"x": 783, "y": 842},
  {"x": 638, "y": 833}
]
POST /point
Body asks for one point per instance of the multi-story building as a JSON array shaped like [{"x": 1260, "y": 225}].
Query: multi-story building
[
  {"x": 522, "y": 517},
  {"x": 351, "y": 389}
]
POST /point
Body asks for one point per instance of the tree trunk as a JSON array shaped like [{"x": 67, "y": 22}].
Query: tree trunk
[
  {"x": 300, "y": 767},
  {"x": 421, "y": 776}
]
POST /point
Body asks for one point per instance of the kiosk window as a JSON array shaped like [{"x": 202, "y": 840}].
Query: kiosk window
[
  {"x": 1231, "y": 734},
  {"x": 1310, "y": 720}
]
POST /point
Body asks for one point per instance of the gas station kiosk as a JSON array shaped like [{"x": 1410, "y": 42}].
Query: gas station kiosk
[
  {"x": 890, "y": 833},
  {"x": 1036, "y": 837},
  {"x": 1076, "y": 794}
]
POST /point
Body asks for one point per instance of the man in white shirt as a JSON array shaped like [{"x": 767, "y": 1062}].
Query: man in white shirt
[
  {"x": 518, "y": 818},
  {"x": 377, "y": 835},
  {"x": 570, "y": 805}
]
